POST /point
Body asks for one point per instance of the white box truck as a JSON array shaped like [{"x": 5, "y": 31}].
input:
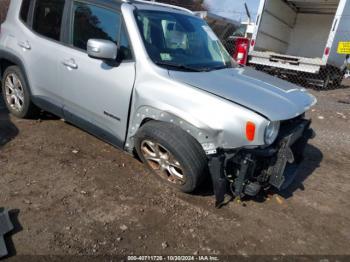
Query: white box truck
[{"x": 307, "y": 40}]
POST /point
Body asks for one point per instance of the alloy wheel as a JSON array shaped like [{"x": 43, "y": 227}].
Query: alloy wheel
[
  {"x": 14, "y": 92},
  {"x": 163, "y": 162}
]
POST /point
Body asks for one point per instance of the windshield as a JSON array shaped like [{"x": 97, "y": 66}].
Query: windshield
[{"x": 181, "y": 42}]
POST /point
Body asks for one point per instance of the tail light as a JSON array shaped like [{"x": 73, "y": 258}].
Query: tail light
[
  {"x": 252, "y": 43},
  {"x": 242, "y": 49},
  {"x": 326, "y": 51}
]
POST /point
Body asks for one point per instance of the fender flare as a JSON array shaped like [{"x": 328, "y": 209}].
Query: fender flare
[
  {"x": 204, "y": 137},
  {"x": 16, "y": 61}
]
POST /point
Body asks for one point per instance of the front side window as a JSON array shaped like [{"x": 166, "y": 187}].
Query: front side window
[
  {"x": 124, "y": 45},
  {"x": 181, "y": 41},
  {"x": 25, "y": 10},
  {"x": 90, "y": 21},
  {"x": 47, "y": 18},
  {"x": 94, "y": 22}
]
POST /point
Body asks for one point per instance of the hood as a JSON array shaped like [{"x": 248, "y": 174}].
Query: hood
[{"x": 272, "y": 97}]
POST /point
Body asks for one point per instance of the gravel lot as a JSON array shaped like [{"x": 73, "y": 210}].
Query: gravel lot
[{"x": 73, "y": 194}]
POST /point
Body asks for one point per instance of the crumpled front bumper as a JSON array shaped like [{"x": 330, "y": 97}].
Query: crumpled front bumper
[
  {"x": 247, "y": 171},
  {"x": 290, "y": 153}
]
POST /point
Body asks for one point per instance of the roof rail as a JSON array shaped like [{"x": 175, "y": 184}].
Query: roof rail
[{"x": 158, "y": 4}]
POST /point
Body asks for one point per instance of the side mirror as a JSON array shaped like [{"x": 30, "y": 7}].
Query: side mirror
[{"x": 102, "y": 49}]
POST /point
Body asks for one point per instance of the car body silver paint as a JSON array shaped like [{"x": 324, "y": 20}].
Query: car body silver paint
[
  {"x": 39, "y": 60},
  {"x": 96, "y": 91},
  {"x": 213, "y": 107},
  {"x": 274, "y": 98},
  {"x": 103, "y": 49}
]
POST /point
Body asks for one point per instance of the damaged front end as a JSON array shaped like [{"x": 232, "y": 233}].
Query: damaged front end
[{"x": 248, "y": 171}]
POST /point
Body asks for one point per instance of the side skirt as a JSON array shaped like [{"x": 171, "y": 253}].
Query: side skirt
[{"x": 79, "y": 122}]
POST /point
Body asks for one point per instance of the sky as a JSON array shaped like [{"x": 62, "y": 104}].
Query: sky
[{"x": 233, "y": 9}]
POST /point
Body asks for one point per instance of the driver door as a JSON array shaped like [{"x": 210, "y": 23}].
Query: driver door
[{"x": 96, "y": 94}]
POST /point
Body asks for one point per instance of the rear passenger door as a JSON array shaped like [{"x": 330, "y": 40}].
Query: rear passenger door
[
  {"x": 96, "y": 93},
  {"x": 38, "y": 42}
]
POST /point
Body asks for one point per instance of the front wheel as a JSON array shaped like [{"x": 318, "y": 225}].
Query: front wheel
[{"x": 172, "y": 155}]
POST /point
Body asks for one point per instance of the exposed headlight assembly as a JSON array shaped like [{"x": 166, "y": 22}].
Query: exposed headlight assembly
[{"x": 271, "y": 132}]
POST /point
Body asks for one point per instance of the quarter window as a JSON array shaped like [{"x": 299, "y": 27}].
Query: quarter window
[{"x": 48, "y": 17}]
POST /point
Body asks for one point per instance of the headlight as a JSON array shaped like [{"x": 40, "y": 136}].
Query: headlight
[{"x": 271, "y": 132}]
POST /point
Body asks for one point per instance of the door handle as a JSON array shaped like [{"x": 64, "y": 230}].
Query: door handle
[
  {"x": 24, "y": 44},
  {"x": 70, "y": 63}
]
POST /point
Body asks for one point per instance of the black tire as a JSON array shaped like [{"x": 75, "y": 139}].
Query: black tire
[
  {"x": 332, "y": 78},
  {"x": 326, "y": 82},
  {"x": 339, "y": 80},
  {"x": 28, "y": 109},
  {"x": 183, "y": 147}
]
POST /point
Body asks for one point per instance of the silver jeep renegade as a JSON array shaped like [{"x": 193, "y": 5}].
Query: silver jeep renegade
[{"x": 154, "y": 80}]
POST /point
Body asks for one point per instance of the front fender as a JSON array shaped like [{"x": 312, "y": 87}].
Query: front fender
[
  {"x": 213, "y": 121},
  {"x": 204, "y": 135}
]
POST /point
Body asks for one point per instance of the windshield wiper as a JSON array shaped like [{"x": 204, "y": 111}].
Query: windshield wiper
[
  {"x": 180, "y": 66},
  {"x": 220, "y": 67}
]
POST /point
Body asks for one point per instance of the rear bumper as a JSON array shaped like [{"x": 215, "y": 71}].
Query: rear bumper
[
  {"x": 247, "y": 171},
  {"x": 299, "y": 64}
]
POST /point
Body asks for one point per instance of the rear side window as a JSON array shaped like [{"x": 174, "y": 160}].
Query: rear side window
[
  {"x": 47, "y": 18},
  {"x": 25, "y": 10},
  {"x": 90, "y": 21}
]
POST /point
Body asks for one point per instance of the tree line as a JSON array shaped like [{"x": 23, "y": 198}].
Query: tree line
[
  {"x": 3, "y": 9},
  {"x": 195, "y": 5}
]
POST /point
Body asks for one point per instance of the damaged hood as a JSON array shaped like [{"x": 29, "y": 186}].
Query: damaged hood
[{"x": 272, "y": 97}]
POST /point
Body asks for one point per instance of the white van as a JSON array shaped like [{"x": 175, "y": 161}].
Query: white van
[{"x": 302, "y": 39}]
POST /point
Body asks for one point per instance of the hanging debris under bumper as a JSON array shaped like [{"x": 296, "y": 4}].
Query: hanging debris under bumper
[{"x": 248, "y": 171}]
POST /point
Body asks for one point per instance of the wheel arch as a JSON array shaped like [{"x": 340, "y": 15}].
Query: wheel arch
[
  {"x": 4, "y": 64},
  {"x": 147, "y": 113},
  {"x": 8, "y": 59}
]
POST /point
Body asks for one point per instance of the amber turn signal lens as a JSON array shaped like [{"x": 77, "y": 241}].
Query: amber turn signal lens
[{"x": 250, "y": 131}]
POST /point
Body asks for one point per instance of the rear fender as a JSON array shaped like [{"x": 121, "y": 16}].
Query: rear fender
[{"x": 7, "y": 56}]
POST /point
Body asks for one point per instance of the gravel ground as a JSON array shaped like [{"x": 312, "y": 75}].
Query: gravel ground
[{"x": 72, "y": 194}]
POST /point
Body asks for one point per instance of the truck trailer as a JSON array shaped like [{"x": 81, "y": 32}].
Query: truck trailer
[{"x": 302, "y": 40}]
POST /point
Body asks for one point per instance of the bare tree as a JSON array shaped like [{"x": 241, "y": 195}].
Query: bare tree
[
  {"x": 3, "y": 9},
  {"x": 194, "y": 5}
]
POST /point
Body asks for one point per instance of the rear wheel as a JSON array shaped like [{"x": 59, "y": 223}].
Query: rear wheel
[
  {"x": 332, "y": 78},
  {"x": 172, "y": 155},
  {"x": 16, "y": 94}
]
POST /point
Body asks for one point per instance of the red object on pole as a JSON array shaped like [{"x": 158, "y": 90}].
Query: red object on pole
[
  {"x": 326, "y": 51},
  {"x": 241, "y": 50}
]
